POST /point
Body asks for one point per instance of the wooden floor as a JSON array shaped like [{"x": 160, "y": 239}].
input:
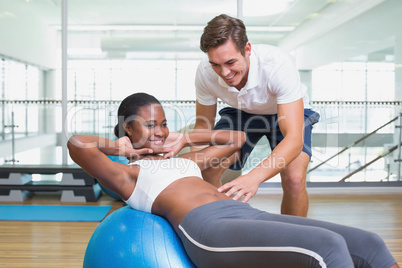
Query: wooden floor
[{"x": 63, "y": 244}]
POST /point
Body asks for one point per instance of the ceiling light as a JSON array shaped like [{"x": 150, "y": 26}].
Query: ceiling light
[
  {"x": 270, "y": 28},
  {"x": 132, "y": 27},
  {"x": 312, "y": 15},
  {"x": 7, "y": 14},
  {"x": 165, "y": 28},
  {"x": 261, "y": 8}
]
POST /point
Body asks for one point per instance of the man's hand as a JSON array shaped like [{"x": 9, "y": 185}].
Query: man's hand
[{"x": 245, "y": 185}]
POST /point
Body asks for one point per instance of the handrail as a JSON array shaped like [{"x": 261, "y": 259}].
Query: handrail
[
  {"x": 390, "y": 150},
  {"x": 318, "y": 102},
  {"x": 106, "y": 101},
  {"x": 353, "y": 144}
]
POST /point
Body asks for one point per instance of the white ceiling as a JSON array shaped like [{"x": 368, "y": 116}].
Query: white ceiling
[{"x": 106, "y": 28}]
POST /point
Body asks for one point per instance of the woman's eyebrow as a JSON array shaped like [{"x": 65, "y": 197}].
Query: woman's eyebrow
[{"x": 154, "y": 121}]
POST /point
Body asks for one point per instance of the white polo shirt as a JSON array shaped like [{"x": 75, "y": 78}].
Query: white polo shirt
[{"x": 272, "y": 79}]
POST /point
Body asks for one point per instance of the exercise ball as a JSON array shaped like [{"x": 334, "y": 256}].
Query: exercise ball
[
  {"x": 110, "y": 193},
  {"x": 131, "y": 238},
  {"x": 122, "y": 160}
]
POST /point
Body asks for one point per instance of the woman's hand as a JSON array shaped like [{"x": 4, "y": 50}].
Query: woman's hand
[
  {"x": 173, "y": 144},
  {"x": 125, "y": 148}
]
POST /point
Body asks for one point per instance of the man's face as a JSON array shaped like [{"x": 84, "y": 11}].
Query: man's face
[{"x": 230, "y": 64}]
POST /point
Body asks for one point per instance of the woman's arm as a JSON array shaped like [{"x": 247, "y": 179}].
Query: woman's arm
[
  {"x": 90, "y": 152},
  {"x": 223, "y": 143}
]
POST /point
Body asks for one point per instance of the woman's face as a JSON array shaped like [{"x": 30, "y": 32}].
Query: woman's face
[{"x": 149, "y": 129}]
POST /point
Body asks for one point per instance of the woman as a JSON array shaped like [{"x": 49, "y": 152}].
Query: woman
[{"x": 216, "y": 231}]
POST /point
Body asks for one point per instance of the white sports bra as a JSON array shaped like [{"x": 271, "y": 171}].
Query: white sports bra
[{"x": 155, "y": 175}]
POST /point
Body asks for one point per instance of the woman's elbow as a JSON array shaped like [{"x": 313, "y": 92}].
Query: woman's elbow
[
  {"x": 243, "y": 137},
  {"x": 74, "y": 142},
  {"x": 240, "y": 139}
]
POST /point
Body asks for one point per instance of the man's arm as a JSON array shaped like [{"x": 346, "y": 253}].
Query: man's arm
[
  {"x": 205, "y": 116},
  {"x": 205, "y": 119},
  {"x": 291, "y": 123}
]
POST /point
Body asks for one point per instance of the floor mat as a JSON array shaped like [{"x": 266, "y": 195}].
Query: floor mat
[{"x": 52, "y": 213}]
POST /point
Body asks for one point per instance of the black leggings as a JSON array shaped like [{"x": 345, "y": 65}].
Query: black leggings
[{"x": 233, "y": 234}]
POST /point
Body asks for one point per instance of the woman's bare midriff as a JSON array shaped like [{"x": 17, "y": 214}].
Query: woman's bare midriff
[{"x": 183, "y": 195}]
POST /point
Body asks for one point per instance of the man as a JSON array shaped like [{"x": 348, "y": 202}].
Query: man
[{"x": 262, "y": 86}]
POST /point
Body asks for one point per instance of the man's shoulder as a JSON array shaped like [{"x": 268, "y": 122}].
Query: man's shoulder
[
  {"x": 204, "y": 68},
  {"x": 204, "y": 61}
]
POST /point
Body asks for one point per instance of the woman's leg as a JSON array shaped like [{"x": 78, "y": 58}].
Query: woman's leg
[
  {"x": 367, "y": 249},
  {"x": 232, "y": 234},
  {"x": 251, "y": 243}
]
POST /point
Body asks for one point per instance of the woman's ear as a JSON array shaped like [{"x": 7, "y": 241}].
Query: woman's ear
[{"x": 127, "y": 129}]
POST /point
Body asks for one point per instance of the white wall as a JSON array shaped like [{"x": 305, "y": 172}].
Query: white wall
[
  {"x": 25, "y": 38},
  {"x": 372, "y": 31},
  {"x": 398, "y": 68}
]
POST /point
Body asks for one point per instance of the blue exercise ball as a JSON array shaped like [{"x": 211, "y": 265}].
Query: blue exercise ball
[
  {"x": 110, "y": 193},
  {"x": 131, "y": 238},
  {"x": 119, "y": 159}
]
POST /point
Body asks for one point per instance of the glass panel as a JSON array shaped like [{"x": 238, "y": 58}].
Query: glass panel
[
  {"x": 185, "y": 79},
  {"x": 115, "y": 51}
]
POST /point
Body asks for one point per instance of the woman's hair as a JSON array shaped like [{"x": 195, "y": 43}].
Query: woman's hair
[
  {"x": 220, "y": 30},
  {"x": 128, "y": 110}
]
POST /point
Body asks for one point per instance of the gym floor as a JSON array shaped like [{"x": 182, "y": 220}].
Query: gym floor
[{"x": 63, "y": 244}]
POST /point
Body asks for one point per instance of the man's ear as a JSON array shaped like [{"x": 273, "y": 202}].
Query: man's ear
[{"x": 247, "y": 49}]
